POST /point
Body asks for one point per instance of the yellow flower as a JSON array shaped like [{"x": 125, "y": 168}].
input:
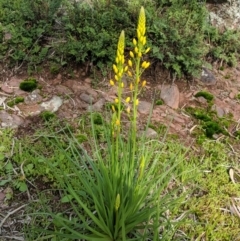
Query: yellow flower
[
  {"x": 129, "y": 73},
  {"x": 122, "y": 84},
  {"x": 139, "y": 55},
  {"x": 145, "y": 64},
  {"x": 144, "y": 41},
  {"x": 137, "y": 102},
  {"x": 115, "y": 69},
  {"x": 131, "y": 53},
  {"x": 116, "y": 100},
  {"x": 117, "y": 202},
  {"x": 117, "y": 122},
  {"x": 147, "y": 50},
  {"x": 144, "y": 83},
  {"x": 111, "y": 82},
  {"x": 130, "y": 63},
  {"x": 128, "y": 109},
  {"x": 117, "y": 60},
  {"x": 131, "y": 87},
  {"x": 136, "y": 50},
  {"x": 142, "y": 21},
  {"x": 126, "y": 68},
  {"x": 116, "y": 77},
  {"x": 128, "y": 99},
  {"x": 134, "y": 41},
  {"x": 121, "y": 43}
]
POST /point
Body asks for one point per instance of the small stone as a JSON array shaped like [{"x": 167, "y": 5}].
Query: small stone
[
  {"x": 144, "y": 107},
  {"x": 88, "y": 80},
  {"x": 7, "y": 89},
  {"x": 97, "y": 106},
  {"x": 10, "y": 120},
  {"x": 52, "y": 105},
  {"x": 170, "y": 95},
  {"x": 33, "y": 97},
  {"x": 207, "y": 77},
  {"x": 92, "y": 92},
  {"x": 220, "y": 111},
  {"x": 87, "y": 98},
  {"x": 63, "y": 90},
  {"x": 150, "y": 133}
]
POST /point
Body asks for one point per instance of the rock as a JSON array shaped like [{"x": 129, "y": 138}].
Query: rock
[
  {"x": 10, "y": 120},
  {"x": 52, "y": 105},
  {"x": 88, "y": 80},
  {"x": 220, "y": 111},
  {"x": 30, "y": 109},
  {"x": 87, "y": 98},
  {"x": 170, "y": 95},
  {"x": 15, "y": 82},
  {"x": 144, "y": 107},
  {"x": 92, "y": 92},
  {"x": 75, "y": 86},
  {"x": 97, "y": 106},
  {"x": 63, "y": 90},
  {"x": 7, "y": 89},
  {"x": 207, "y": 77},
  {"x": 150, "y": 133},
  {"x": 33, "y": 98}
]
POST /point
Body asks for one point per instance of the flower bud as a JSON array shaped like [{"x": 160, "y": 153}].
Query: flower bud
[
  {"x": 126, "y": 68},
  {"x": 131, "y": 54},
  {"x": 147, "y": 50},
  {"x": 117, "y": 122},
  {"x": 128, "y": 99},
  {"x": 144, "y": 83},
  {"x": 116, "y": 100},
  {"x": 136, "y": 102},
  {"x": 111, "y": 82},
  {"x": 130, "y": 63},
  {"x": 129, "y": 73},
  {"x": 122, "y": 84},
  {"x": 136, "y": 50},
  {"x": 131, "y": 87},
  {"x": 128, "y": 109},
  {"x": 115, "y": 69},
  {"x": 134, "y": 41},
  {"x": 116, "y": 77}
]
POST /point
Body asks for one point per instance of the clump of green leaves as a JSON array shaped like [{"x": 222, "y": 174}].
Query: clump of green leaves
[
  {"x": 28, "y": 84},
  {"x": 16, "y": 101}
]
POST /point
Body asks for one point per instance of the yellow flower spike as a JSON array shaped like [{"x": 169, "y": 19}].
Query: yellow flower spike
[
  {"x": 144, "y": 83},
  {"x": 136, "y": 50},
  {"x": 131, "y": 54},
  {"x": 111, "y": 82},
  {"x": 116, "y": 100},
  {"x": 115, "y": 69},
  {"x": 121, "y": 43},
  {"x": 128, "y": 110},
  {"x": 134, "y": 42},
  {"x": 129, "y": 73},
  {"x": 128, "y": 99},
  {"x": 130, "y": 63},
  {"x": 122, "y": 84},
  {"x": 131, "y": 87},
  {"x": 113, "y": 108},
  {"x": 142, "y": 21},
  {"x": 147, "y": 50},
  {"x": 136, "y": 102},
  {"x": 117, "y": 202},
  {"x": 116, "y": 77},
  {"x": 117, "y": 122}
]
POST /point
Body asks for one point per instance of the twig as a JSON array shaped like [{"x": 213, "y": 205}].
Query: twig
[{"x": 9, "y": 214}]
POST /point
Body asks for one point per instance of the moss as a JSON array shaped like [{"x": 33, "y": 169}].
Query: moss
[
  {"x": 238, "y": 96},
  {"x": 209, "y": 97},
  {"x": 17, "y": 100},
  {"x": 47, "y": 115},
  {"x": 29, "y": 84},
  {"x": 97, "y": 119},
  {"x": 212, "y": 127},
  {"x": 159, "y": 102}
]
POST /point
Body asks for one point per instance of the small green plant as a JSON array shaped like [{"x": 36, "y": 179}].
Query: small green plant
[
  {"x": 159, "y": 102},
  {"x": 29, "y": 84},
  {"x": 47, "y": 115},
  {"x": 16, "y": 101}
]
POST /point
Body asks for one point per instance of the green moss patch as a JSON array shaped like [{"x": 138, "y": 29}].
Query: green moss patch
[
  {"x": 209, "y": 97},
  {"x": 29, "y": 84},
  {"x": 17, "y": 100}
]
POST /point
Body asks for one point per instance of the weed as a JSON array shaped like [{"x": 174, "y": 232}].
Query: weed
[
  {"x": 209, "y": 97},
  {"x": 47, "y": 115},
  {"x": 16, "y": 101}
]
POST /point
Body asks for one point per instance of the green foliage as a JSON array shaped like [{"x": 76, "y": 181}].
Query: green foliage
[
  {"x": 176, "y": 31},
  {"x": 224, "y": 46},
  {"x": 209, "y": 97},
  {"x": 16, "y": 100},
  {"x": 29, "y": 84},
  {"x": 47, "y": 115},
  {"x": 159, "y": 102}
]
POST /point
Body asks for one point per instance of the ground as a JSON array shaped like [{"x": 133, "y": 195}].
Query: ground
[{"x": 79, "y": 92}]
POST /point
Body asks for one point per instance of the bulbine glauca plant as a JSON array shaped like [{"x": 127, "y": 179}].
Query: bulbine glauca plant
[{"x": 117, "y": 194}]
